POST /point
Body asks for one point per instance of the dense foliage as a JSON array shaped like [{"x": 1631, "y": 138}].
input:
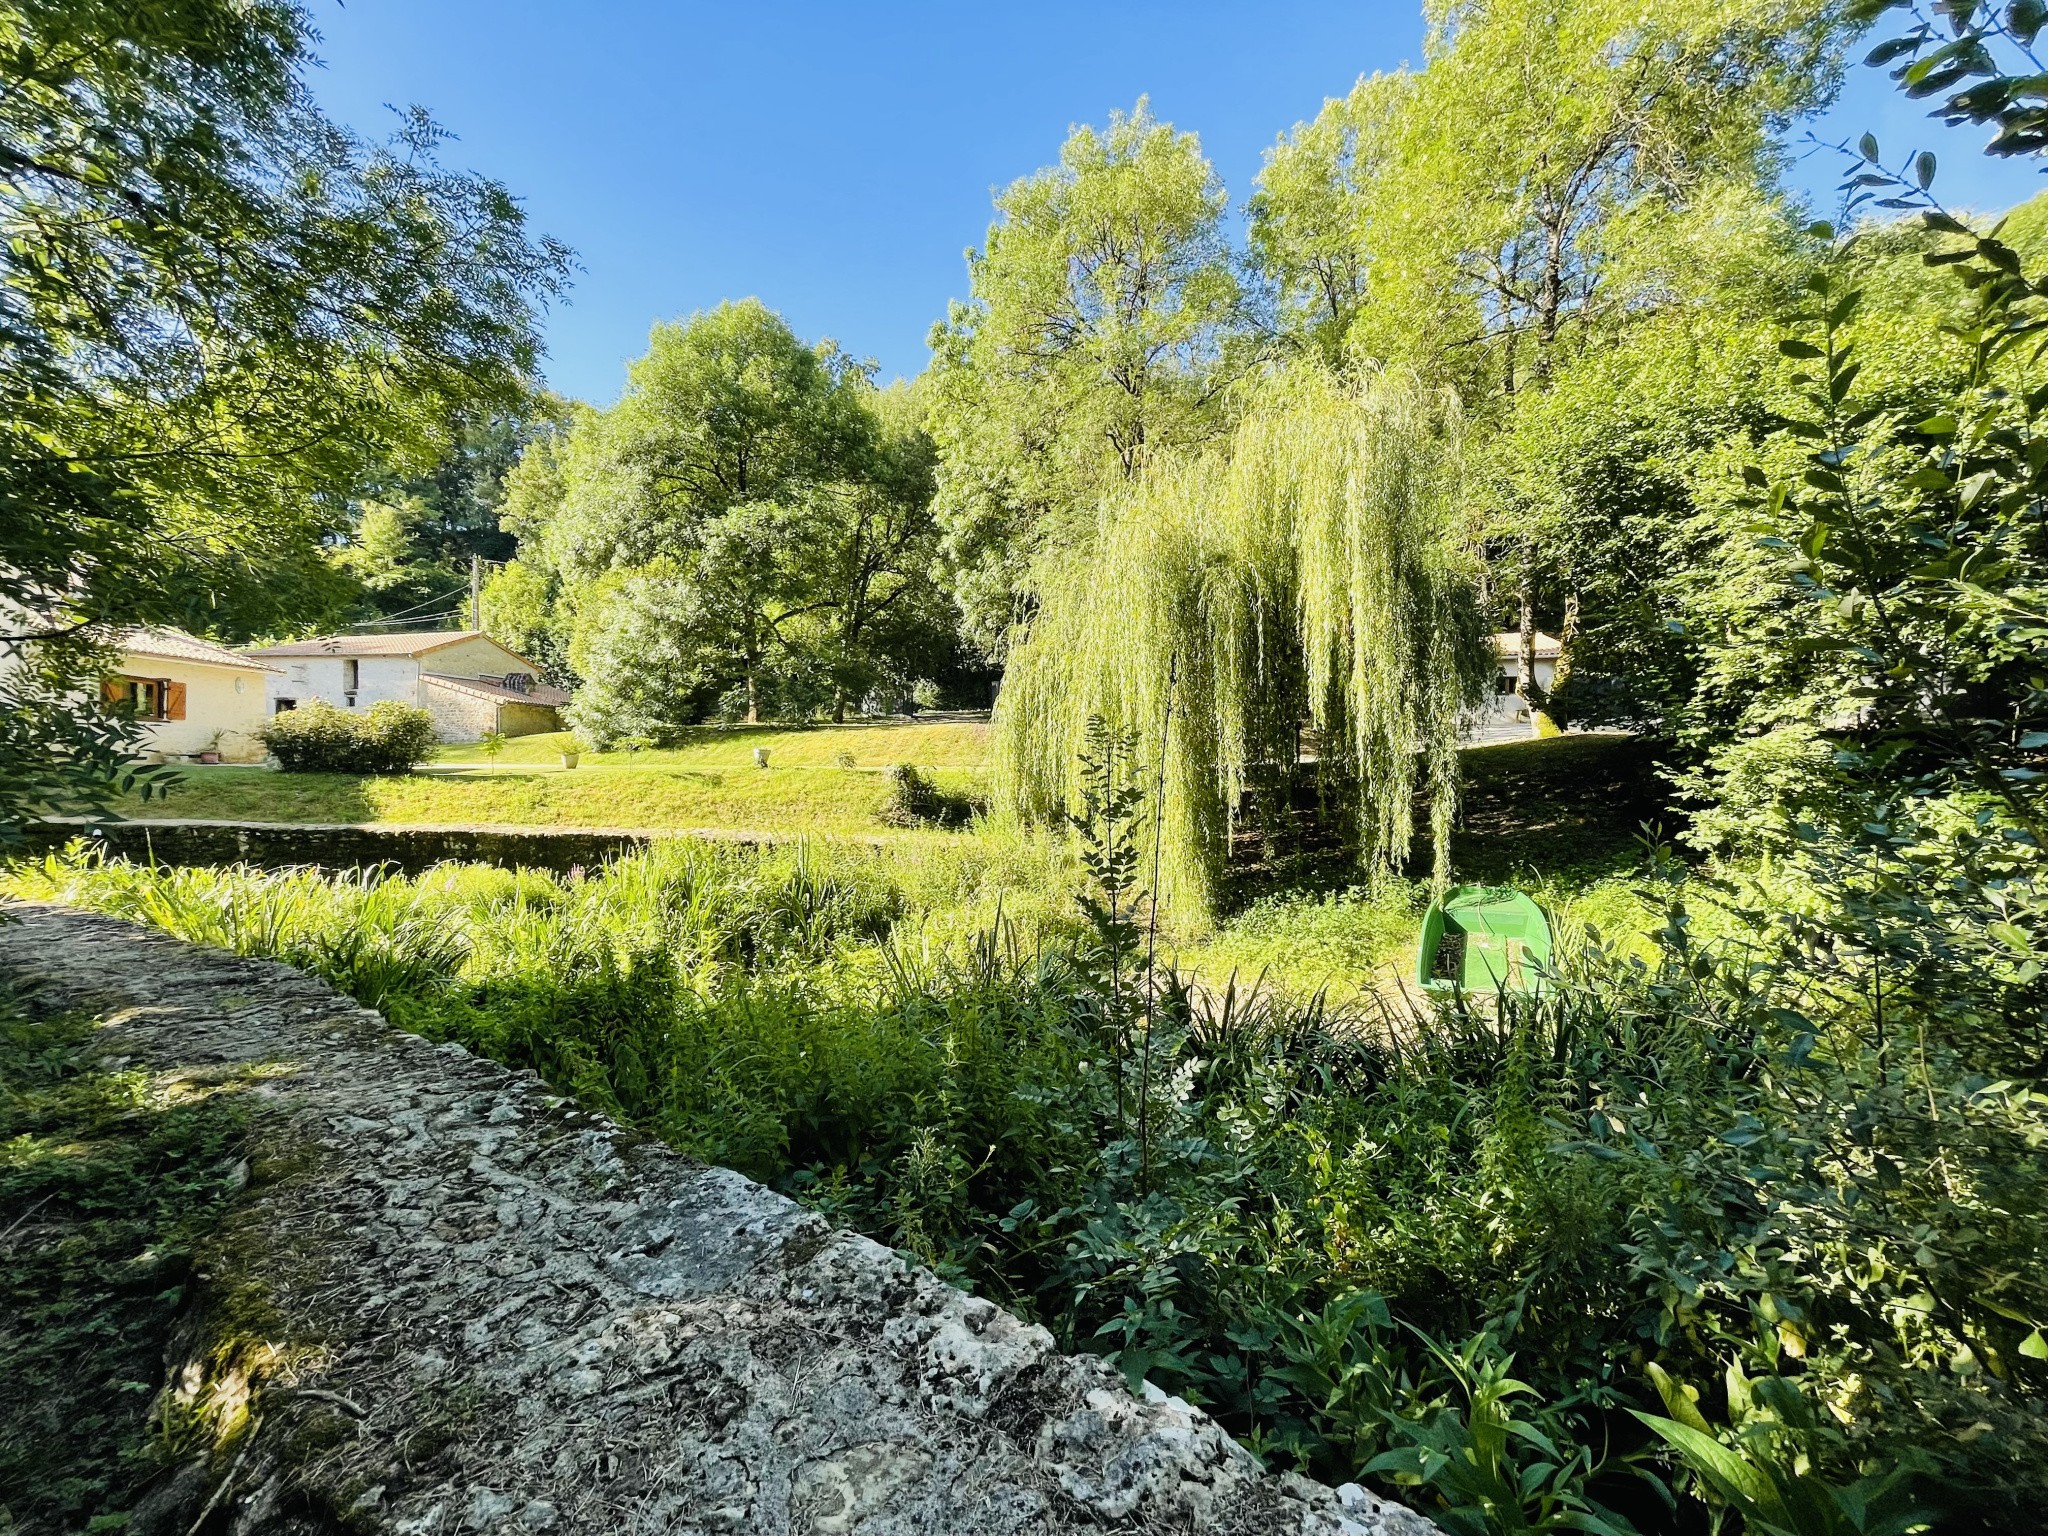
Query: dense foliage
[
  {"x": 746, "y": 533},
  {"x": 1455, "y": 1259},
  {"x": 1306, "y": 569},
  {"x": 388, "y": 737},
  {"x": 219, "y": 311},
  {"x": 1103, "y": 302}
]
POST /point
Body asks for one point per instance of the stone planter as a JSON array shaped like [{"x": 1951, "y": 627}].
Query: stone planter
[
  {"x": 570, "y": 759},
  {"x": 760, "y": 757}
]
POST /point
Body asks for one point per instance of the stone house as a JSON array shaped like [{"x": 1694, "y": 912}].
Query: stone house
[
  {"x": 193, "y": 697},
  {"x": 467, "y": 681},
  {"x": 1506, "y": 714}
]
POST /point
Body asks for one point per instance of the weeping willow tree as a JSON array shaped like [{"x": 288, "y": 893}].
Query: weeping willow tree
[{"x": 1308, "y": 569}]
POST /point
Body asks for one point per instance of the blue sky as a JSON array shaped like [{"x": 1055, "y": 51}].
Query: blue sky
[{"x": 837, "y": 159}]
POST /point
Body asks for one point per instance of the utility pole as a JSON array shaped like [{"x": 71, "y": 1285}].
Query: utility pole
[{"x": 476, "y": 592}]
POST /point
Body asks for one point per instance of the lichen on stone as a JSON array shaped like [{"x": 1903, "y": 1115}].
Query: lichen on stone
[{"x": 450, "y": 1302}]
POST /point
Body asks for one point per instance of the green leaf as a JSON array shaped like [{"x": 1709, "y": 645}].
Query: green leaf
[
  {"x": 2012, "y": 937},
  {"x": 1800, "y": 349},
  {"x": 1680, "y": 1401},
  {"x": 2034, "y": 1347},
  {"x": 1867, "y": 147},
  {"x": 1923, "y": 169},
  {"x": 1738, "y": 1480}
]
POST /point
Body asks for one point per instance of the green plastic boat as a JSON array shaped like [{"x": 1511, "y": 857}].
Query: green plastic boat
[{"x": 1483, "y": 938}]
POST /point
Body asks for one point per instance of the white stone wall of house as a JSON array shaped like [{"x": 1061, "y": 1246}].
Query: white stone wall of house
[
  {"x": 306, "y": 678},
  {"x": 222, "y": 709}
]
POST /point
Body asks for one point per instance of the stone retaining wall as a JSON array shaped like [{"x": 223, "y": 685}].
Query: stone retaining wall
[
  {"x": 450, "y": 1301},
  {"x": 279, "y": 845}
]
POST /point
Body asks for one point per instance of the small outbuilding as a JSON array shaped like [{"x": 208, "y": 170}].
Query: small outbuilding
[
  {"x": 468, "y": 682},
  {"x": 1506, "y": 714},
  {"x": 195, "y": 699}
]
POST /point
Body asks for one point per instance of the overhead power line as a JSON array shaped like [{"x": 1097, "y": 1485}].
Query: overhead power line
[{"x": 415, "y": 608}]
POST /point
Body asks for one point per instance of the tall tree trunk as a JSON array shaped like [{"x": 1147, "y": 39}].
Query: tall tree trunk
[
  {"x": 753, "y": 691},
  {"x": 1532, "y": 692},
  {"x": 1563, "y": 669},
  {"x": 839, "y": 704},
  {"x": 1549, "y": 299}
]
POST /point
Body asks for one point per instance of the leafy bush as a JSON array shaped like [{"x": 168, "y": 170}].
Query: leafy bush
[
  {"x": 1443, "y": 1257},
  {"x": 1754, "y": 791},
  {"x": 915, "y": 801},
  {"x": 318, "y": 738}
]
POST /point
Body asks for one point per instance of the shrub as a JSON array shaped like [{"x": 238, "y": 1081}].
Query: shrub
[
  {"x": 915, "y": 801},
  {"x": 318, "y": 738},
  {"x": 1687, "y": 1182},
  {"x": 1755, "y": 790}
]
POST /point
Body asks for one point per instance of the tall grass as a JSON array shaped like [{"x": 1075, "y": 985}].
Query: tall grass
[{"x": 1456, "y": 1256}]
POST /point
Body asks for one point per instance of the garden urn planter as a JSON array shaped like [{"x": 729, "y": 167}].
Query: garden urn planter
[
  {"x": 569, "y": 759},
  {"x": 760, "y": 757}
]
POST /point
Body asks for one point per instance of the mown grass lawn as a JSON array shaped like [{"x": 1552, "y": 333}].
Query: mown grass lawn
[
  {"x": 711, "y": 782},
  {"x": 948, "y": 743}
]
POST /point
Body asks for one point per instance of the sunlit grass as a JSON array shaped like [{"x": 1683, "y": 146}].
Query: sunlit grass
[
  {"x": 1558, "y": 818},
  {"x": 934, "y": 744}
]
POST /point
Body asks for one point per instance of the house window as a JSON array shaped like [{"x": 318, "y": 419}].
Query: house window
[
  {"x": 1504, "y": 684},
  {"x": 146, "y": 698},
  {"x": 282, "y": 705},
  {"x": 351, "y": 680}
]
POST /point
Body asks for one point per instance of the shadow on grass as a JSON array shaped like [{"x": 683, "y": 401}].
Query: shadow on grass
[
  {"x": 260, "y": 794},
  {"x": 1560, "y": 810},
  {"x": 1569, "y": 807},
  {"x": 112, "y": 1188}
]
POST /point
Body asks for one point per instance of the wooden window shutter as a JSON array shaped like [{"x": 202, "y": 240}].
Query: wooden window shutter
[{"x": 174, "y": 700}]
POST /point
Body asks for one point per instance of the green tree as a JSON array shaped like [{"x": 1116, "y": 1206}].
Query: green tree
[
  {"x": 747, "y": 530},
  {"x": 220, "y": 311},
  {"x": 872, "y": 552},
  {"x": 1310, "y": 215},
  {"x": 1552, "y": 177},
  {"x": 1094, "y": 339},
  {"x": 1626, "y": 470},
  {"x": 1307, "y": 568},
  {"x": 1547, "y": 154}
]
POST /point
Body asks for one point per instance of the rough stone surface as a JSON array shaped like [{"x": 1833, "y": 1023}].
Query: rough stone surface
[{"x": 484, "y": 1310}]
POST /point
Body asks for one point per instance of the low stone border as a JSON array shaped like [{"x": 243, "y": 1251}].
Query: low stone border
[
  {"x": 408, "y": 849},
  {"x": 449, "y": 1300}
]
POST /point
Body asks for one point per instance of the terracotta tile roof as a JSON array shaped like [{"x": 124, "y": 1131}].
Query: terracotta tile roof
[
  {"x": 536, "y": 692},
  {"x": 1508, "y": 646},
  {"x": 413, "y": 643},
  {"x": 176, "y": 645}
]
